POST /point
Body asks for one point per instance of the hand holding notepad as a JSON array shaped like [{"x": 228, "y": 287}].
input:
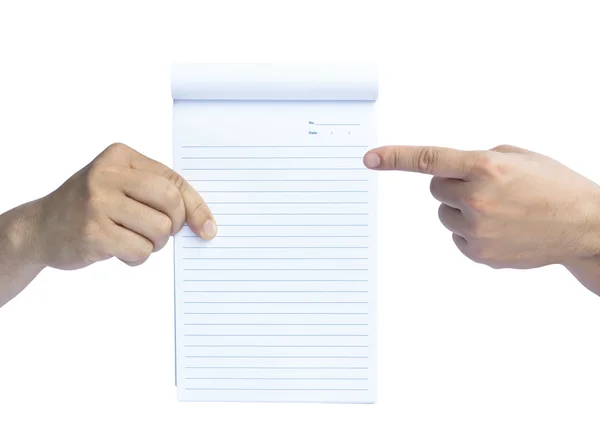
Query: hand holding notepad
[
  {"x": 281, "y": 305},
  {"x": 122, "y": 204}
]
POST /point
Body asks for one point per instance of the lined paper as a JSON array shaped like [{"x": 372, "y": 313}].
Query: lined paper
[{"x": 280, "y": 306}]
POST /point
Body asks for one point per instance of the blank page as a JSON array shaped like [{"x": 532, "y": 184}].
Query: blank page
[{"x": 281, "y": 305}]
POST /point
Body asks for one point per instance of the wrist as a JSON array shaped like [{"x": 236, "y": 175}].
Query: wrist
[
  {"x": 21, "y": 230},
  {"x": 587, "y": 271},
  {"x": 587, "y": 232}
]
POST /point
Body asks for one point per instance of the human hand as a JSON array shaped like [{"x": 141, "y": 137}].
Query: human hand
[
  {"x": 122, "y": 205},
  {"x": 506, "y": 207}
]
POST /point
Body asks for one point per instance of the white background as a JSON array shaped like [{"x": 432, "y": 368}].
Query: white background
[{"x": 466, "y": 353}]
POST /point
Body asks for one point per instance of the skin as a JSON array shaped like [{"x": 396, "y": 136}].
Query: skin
[
  {"x": 508, "y": 207},
  {"x": 122, "y": 205}
]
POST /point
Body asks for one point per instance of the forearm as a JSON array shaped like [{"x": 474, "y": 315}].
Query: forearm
[{"x": 18, "y": 263}]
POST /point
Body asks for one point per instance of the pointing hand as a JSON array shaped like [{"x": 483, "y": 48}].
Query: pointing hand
[{"x": 506, "y": 207}]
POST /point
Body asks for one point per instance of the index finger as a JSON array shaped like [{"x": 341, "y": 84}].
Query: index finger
[
  {"x": 197, "y": 213},
  {"x": 433, "y": 160}
]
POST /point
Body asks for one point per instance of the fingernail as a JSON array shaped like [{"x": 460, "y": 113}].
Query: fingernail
[
  {"x": 209, "y": 229},
  {"x": 372, "y": 160}
]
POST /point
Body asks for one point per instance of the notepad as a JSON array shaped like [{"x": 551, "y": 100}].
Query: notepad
[{"x": 281, "y": 305}]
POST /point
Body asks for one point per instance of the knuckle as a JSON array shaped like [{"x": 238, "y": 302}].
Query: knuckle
[
  {"x": 164, "y": 226},
  {"x": 100, "y": 173},
  {"x": 441, "y": 212},
  {"x": 396, "y": 160},
  {"x": 475, "y": 202},
  {"x": 172, "y": 196},
  {"x": 487, "y": 165},
  {"x": 434, "y": 186},
  {"x": 481, "y": 254},
  {"x": 117, "y": 149},
  {"x": 441, "y": 217},
  {"x": 176, "y": 179},
  {"x": 146, "y": 250},
  {"x": 425, "y": 160},
  {"x": 446, "y": 218},
  {"x": 200, "y": 207},
  {"x": 111, "y": 173},
  {"x": 475, "y": 231},
  {"x": 135, "y": 263},
  {"x": 143, "y": 252},
  {"x": 139, "y": 253},
  {"x": 473, "y": 249},
  {"x": 94, "y": 173},
  {"x": 484, "y": 162}
]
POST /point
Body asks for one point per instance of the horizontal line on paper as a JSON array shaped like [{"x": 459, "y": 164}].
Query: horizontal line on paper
[
  {"x": 274, "y": 169},
  {"x": 276, "y": 313},
  {"x": 337, "y": 124},
  {"x": 274, "y": 346},
  {"x": 275, "y": 247},
  {"x": 289, "y": 203},
  {"x": 284, "y": 180},
  {"x": 275, "y": 146},
  {"x": 271, "y": 378},
  {"x": 267, "y": 158},
  {"x": 263, "y": 269},
  {"x": 291, "y": 213},
  {"x": 280, "y": 191},
  {"x": 276, "y": 335},
  {"x": 276, "y": 324},
  {"x": 278, "y": 258},
  {"x": 297, "y": 226},
  {"x": 269, "y": 389},
  {"x": 275, "y": 367},
  {"x": 278, "y": 302},
  {"x": 283, "y": 292},
  {"x": 284, "y": 236},
  {"x": 255, "y": 280},
  {"x": 275, "y": 356}
]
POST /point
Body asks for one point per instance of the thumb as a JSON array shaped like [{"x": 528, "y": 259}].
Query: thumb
[{"x": 198, "y": 215}]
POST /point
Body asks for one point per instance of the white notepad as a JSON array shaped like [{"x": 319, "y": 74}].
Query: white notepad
[{"x": 281, "y": 305}]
